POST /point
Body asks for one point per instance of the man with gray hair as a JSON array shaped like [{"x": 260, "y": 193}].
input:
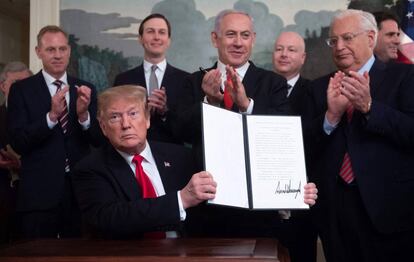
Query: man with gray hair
[
  {"x": 9, "y": 161},
  {"x": 363, "y": 126},
  {"x": 236, "y": 84}
]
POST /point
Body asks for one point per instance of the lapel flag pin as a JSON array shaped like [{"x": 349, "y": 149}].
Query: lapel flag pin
[{"x": 167, "y": 164}]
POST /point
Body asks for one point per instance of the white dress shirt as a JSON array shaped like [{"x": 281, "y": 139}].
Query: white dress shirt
[
  {"x": 161, "y": 67},
  {"x": 150, "y": 168}
]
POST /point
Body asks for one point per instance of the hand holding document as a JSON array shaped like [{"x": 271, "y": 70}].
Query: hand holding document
[{"x": 257, "y": 160}]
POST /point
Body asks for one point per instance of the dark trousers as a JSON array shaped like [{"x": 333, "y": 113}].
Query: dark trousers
[
  {"x": 7, "y": 207},
  {"x": 352, "y": 236},
  {"x": 299, "y": 235},
  {"x": 61, "y": 221}
]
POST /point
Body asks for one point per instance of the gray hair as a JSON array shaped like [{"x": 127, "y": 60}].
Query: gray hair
[
  {"x": 12, "y": 67},
  {"x": 366, "y": 20},
  {"x": 222, "y": 14}
]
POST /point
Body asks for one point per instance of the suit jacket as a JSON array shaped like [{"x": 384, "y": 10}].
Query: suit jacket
[
  {"x": 111, "y": 199},
  {"x": 43, "y": 151},
  {"x": 299, "y": 96},
  {"x": 268, "y": 90},
  {"x": 3, "y": 124},
  {"x": 381, "y": 147},
  {"x": 173, "y": 80}
]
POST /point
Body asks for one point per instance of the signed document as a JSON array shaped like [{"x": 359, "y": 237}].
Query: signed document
[{"x": 257, "y": 160}]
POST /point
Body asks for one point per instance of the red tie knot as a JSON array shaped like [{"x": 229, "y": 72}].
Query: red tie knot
[{"x": 137, "y": 159}]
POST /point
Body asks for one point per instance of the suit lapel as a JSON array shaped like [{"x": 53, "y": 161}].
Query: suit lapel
[
  {"x": 250, "y": 79},
  {"x": 163, "y": 166},
  {"x": 167, "y": 76},
  {"x": 73, "y": 97},
  {"x": 140, "y": 75},
  {"x": 122, "y": 173},
  {"x": 376, "y": 75},
  {"x": 41, "y": 92}
]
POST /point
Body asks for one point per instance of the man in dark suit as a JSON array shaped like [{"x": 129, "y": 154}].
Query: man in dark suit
[
  {"x": 288, "y": 58},
  {"x": 122, "y": 198},
  {"x": 9, "y": 160},
  {"x": 50, "y": 119},
  {"x": 237, "y": 84},
  {"x": 363, "y": 126},
  {"x": 164, "y": 85}
]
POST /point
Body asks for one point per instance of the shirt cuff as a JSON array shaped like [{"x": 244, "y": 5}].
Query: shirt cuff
[
  {"x": 50, "y": 123},
  {"x": 183, "y": 214},
  {"x": 284, "y": 214},
  {"x": 328, "y": 127},
  {"x": 86, "y": 124},
  {"x": 249, "y": 109}
]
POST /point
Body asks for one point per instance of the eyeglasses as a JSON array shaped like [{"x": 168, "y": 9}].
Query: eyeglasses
[
  {"x": 117, "y": 117},
  {"x": 347, "y": 38}
]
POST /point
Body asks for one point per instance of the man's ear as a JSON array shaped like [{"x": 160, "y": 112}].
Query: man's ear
[
  {"x": 214, "y": 37},
  {"x": 103, "y": 126}
]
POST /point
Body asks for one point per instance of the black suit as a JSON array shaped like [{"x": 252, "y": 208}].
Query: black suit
[
  {"x": 381, "y": 148},
  {"x": 111, "y": 199},
  {"x": 298, "y": 233},
  {"x": 43, "y": 150},
  {"x": 173, "y": 80},
  {"x": 268, "y": 90}
]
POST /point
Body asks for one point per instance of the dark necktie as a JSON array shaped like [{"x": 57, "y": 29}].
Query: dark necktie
[
  {"x": 153, "y": 81},
  {"x": 346, "y": 172},
  {"x": 63, "y": 118},
  {"x": 228, "y": 101}
]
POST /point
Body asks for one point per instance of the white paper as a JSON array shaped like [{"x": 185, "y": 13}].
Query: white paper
[
  {"x": 277, "y": 163},
  {"x": 224, "y": 155}
]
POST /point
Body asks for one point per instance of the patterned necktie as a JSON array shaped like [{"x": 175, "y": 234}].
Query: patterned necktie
[
  {"x": 153, "y": 81},
  {"x": 346, "y": 172},
  {"x": 147, "y": 188},
  {"x": 63, "y": 118},
  {"x": 228, "y": 101}
]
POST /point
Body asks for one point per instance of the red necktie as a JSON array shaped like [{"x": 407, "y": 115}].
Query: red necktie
[
  {"x": 148, "y": 190},
  {"x": 346, "y": 172},
  {"x": 63, "y": 118},
  {"x": 228, "y": 102}
]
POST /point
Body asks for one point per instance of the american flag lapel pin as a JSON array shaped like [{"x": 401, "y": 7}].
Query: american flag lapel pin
[{"x": 167, "y": 164}]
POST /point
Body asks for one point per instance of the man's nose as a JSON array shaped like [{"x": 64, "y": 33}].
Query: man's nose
[{"x": 125, "y": 121}]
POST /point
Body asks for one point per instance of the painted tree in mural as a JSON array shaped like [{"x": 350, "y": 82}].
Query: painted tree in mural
[{"x": 98, "y": 66}]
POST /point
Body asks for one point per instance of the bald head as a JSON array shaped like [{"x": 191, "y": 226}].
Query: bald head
[{"x": 289, "y": 54}]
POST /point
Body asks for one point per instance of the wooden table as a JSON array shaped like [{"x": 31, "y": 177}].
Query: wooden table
[{"x": 175, "y": 250}]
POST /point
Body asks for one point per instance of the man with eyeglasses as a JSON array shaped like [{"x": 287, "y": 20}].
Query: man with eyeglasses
[
  {"x": 132, "y": 188},
  {"x": 363, "y": 135}
]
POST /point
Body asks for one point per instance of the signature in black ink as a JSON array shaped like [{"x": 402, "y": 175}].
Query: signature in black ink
[{"x": 288, "y": 189}]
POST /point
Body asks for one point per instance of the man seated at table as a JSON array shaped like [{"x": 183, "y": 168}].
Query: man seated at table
[{"x": 132, "y": 188}]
